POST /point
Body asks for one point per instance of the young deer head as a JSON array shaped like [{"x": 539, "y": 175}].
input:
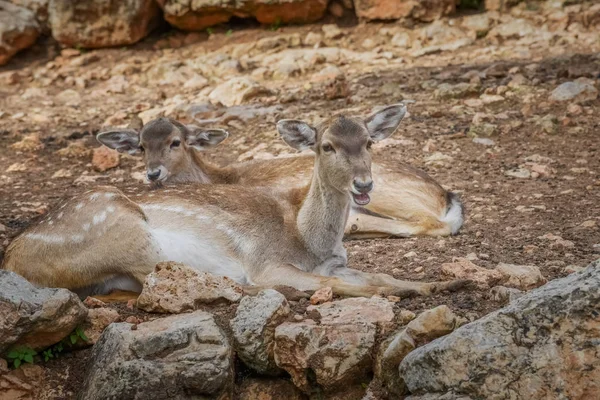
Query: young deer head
[
  {"x": 166, "y": 145},
  {"x": 342, "y": 147}
]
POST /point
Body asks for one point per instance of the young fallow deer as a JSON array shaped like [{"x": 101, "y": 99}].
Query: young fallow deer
[
  {"x": 406, "y": 201},
  {"x": 255, "y": 236}
]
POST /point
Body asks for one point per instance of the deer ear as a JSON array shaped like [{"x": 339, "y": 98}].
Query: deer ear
[
  {"x": 297, "y": 134},
  {"x": 202, "y": 139},
  {"x": 385, "y": 122},
  {"x": 123, "y": 140}
]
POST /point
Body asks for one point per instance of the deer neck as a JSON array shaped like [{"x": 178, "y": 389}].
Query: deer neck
[{"x": 322, "y": 218}]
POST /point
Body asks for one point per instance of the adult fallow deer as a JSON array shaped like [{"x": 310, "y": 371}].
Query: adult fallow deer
[
  {"x": 406, "y": 201},
  {"x": 264, "y": 237}
]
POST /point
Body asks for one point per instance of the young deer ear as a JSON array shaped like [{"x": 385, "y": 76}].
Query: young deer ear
[
  {"x": 124, "y": 140},
  {"x": 385, "y": 122},
  {"x": 297, "y": 134},
  {"x": 202, "y": 139}
]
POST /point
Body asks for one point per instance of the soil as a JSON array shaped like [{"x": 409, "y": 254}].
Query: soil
[{"x": 507, "y": 217}]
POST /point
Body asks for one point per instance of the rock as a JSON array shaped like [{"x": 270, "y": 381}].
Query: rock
[
  {"x": 438, "y": 159},
  {"x": 505, "y": 295},
  {"x": 401, "y": 40},
  {"x": 18, "y": 30},
  {"x": 237, "y": 91},
  {"x": 74, "y": 150},
  {"x": 429, "y": 325},
  {"x": 480, "y": 24},
  {"x": 175, "y": 288},
  {"x": 96, "y": 321},
  {"x": 331, "y": 31},
  {"x": 522, "y": 277},
  {"x": 35, "y": 317},
  {"x": 484, "y": 141},
  {"x": 483, "y": 129},
  {"x": 177, "y": 357},
  {"x": 199, "y": 15},
  {"x": 254, "y": 329},
  {"x": 39, "y": 8},
  {"x": 69, "y": 97},
  {"x": 520, "y": 172},
  {"x": 545, "y": 342},
  {"x": 426, "y": 11},
  {"x": 95, "y": 24},
  {"x": 321, "y": 296},
  {"x": 514, "y": 28},
  {"x": 28, "y": 143},
  {"x": 460, "y": 90},
  {"x": 25, "y": 383},
  {"x": 269, "y": 389},
  {"x": 338, "y": 351},
  {"x": 92, "y": 302},
  {"x": 574, "y": 91},
  {"x": 462, "y": 268},
  {"x": 104, "y": 158},
  {"x": 500, "y": 5},
  {"x": 313, "y": 39}
]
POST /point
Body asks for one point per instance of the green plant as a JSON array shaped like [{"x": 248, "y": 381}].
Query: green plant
[
  {"x": 21, "y": 354},
  {"x": 78, "y": 334},
  {"x": 209, "y": 31},
  {"x": 275, "y": 25},
  {"x": 229, "y": 32}
]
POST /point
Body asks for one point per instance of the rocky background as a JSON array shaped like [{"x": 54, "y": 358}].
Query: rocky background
[{"x": 505, "y": 113}]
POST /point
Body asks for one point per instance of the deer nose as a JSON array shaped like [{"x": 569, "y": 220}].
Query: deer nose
[
  {"x": 362, "y": 186},
  {"x": 154, "y": 174}
]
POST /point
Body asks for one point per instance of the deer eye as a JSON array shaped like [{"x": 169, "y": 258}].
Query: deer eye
[
  {"x": 327, "y": 148},
  {"x": 369, "y": 144},
  {"x": 175, "y": 143}
]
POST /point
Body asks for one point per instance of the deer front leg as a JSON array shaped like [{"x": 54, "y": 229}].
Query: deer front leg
[{"x": 291, "y": 276}]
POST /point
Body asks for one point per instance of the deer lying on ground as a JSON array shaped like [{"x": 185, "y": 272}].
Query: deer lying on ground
[
  {"x": 407, "y": 201},
  {"x": 256, "y": 236}
]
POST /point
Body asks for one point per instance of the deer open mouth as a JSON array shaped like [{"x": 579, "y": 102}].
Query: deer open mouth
[{"x": 362, "y": 199}]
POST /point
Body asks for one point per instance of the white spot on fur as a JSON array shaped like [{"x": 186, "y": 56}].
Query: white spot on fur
[
  {"x": 50, "y": 222},
  {"x": 109, "y": 195},
  {"x": 79, "y": 206},
  {"x": 110, "y": 209},
  {"x": 174, "y": 209},
  {"x": 60, "y": 215},
  {"x": 94, "y": 196},
  {"x": 54, "y": 239},
  {"x": 77, "y": 238},
  {"x": 86, "y": 227},
  {"x": 98, "y": 218}
]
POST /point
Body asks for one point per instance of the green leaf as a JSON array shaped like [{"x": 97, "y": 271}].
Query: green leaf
[
  {"x": 28, "y": 358},
  {"x": 83, "y": 336},
  {"x": 13, "y": 354},
  {"x": 73, "y": 338},
  {"x": 229, "y": 32},
  {"x": 17, "y": 363}
]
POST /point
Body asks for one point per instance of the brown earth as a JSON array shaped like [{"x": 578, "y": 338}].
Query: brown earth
[{"x": 507, "y": 217}]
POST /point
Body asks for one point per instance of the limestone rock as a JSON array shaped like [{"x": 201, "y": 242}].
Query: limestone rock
[
  {"x": 254, "y": 329},
  {"x": 101, "y": 23},
  {"x": 18, "y": 30},
  {"x": 429, "y": 325},
  {"x": 39, "y": 8},
  {"x": 104, "y": 158},
  {"x": 269, "y": 389},
  {"x": 450, "y": 91},
  {"x": 35, "y": 317},
  {"x": 96, "y": 321},
  {"x": 423, "y": 10},
  {"x": 574, "y": 91},
  {"x": 545, "y": 342},
  {"x": 175, "y": 288},
  {"x": 337, "y": 352},
  {"x": 198, "y": 15},
  {"x": 321, "y": 296},
  {"x": 237, "y": 91},
  {"x": 173, "y": 357},
  {"x": 522, "y": 277},
  {"x": 24, "y": 383},
  {"x": 462, "y": 268}
]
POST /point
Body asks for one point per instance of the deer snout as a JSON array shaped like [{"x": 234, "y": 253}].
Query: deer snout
[
  {"x": 362, "y": 186},
  {"x": 153, "y": 174}
]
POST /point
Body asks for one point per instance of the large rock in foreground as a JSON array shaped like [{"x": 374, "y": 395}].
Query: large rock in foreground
[
  {"x": 18, "y": 30},
  {"x": 422, "y": 10},
  {"x": 33, "y": 317},
  {"x": 182, "y": 356},
  {"x": 102, "y": 23},
  {"x": 200, "y": 14},
  {"x": 543, "y": 345}
]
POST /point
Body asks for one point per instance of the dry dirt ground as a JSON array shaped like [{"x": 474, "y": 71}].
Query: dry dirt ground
[{"x": 551, "y": 221}]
